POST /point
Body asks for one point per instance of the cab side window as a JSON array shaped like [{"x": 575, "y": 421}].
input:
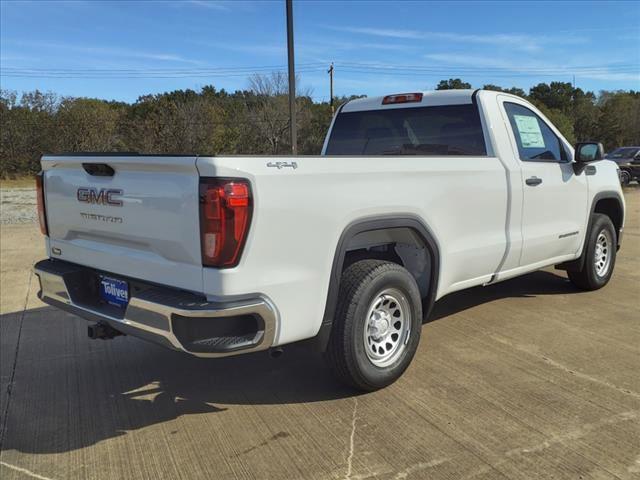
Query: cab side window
[{"x": 536, "y": 141}]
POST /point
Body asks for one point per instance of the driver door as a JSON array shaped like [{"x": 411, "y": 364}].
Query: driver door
[{"x": 554, "y": 197}]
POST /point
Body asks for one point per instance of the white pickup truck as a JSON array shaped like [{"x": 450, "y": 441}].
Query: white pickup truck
[{"x": 415, "y": 196}]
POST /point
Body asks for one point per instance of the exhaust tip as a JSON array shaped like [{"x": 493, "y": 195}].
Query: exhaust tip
[{"x": 276, "y": 352}]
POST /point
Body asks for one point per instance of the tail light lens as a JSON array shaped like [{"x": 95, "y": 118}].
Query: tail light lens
[
  {"x": 42, "y": 212},
  {"x": 225, "y": 213}
]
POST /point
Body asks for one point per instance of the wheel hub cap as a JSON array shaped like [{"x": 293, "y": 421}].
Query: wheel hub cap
[
  {"x": 602, "y": 253},
  {"x": 379, "y": 325},
  {"x": 387, "y": 327}
]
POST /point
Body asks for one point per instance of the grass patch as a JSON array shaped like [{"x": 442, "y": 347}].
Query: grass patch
[{"x": 19, "y": 182}]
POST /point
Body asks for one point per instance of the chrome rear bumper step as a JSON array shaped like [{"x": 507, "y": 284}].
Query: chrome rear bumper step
[{"x": 173, "y": 318}]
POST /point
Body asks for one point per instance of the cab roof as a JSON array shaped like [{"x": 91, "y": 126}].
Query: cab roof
[{"x": 430, "y": 98}]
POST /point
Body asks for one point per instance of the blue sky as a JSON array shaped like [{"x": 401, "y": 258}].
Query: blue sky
[{"x": 120, "y": 49}]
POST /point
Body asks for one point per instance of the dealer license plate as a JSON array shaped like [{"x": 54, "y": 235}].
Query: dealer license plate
[{"x": 114, "y": 291}]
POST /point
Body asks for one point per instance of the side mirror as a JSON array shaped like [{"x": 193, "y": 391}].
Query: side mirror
[{"x": 589, "y": 152}]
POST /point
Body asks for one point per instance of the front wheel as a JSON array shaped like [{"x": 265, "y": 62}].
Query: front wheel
[
  {"x": 377, "y": 325},
  {"x": 625, "y": 177},
  {"x": 600, "y": 255}
]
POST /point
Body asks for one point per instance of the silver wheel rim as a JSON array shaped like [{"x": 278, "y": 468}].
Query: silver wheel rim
[
  {"x": 387, "y": 327},
  {"x": 602, "y": 255}
]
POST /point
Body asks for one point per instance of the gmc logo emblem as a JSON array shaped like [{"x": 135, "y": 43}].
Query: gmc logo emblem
[{"x": 104, "y": 196}]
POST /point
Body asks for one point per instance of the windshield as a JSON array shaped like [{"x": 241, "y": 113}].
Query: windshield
[
  {"x": 623, "y": 152},
  {"x": 443, "y": 130}
]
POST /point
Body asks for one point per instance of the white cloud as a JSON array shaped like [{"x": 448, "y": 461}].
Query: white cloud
[
  {"x": 212, "y": 4},
  {"x": 634, "y": 37},
  {"x": 259, "y": 49},
  {"x": 514, "y": 41},
  {"x": 16, "y": 58},
  {"x": 113, "y": 52},
  {"x": 222, "y": 5},
  {"x": 479, "y": 61},
  {"x": 329, "y": 46},
  {"x": 613, "y": 76}
]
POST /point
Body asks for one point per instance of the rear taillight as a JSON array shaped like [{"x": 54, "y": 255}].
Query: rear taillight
[
  {"x": 225, "y": 214},
  {"x": 42, "y": 212},
  {"x": 402, "y": 98}
]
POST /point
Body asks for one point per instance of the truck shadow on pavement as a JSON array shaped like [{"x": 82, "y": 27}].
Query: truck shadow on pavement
[
  {"x": 69, "y": 392},
  {"x": 531, "y": 285}
]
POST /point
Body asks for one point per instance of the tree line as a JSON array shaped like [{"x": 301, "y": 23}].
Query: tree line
[{"x": 251, "y": 121}]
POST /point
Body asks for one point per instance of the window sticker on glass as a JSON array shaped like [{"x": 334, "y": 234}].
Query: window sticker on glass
[{"x": 529, "y": 131}]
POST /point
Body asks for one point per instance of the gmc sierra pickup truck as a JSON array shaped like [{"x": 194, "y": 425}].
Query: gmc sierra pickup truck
[{"x": 415, "y": 196}]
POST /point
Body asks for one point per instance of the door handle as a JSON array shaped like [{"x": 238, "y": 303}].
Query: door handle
[{"x": 533, "y": 181}]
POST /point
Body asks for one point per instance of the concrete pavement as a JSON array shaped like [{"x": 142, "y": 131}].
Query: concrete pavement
[{"x": 527, "y": 379}]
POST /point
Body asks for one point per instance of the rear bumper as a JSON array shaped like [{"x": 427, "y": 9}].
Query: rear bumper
[{"x": 175, "y": 319}]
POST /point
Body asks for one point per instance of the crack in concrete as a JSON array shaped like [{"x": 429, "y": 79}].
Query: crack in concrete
[
  {"x": 419, "y": 466},
  {"x": 576, "y": 433},
  {"x": 15, "y": 363},
  {"x": 352, "y": 440},
  {"x": 29, "y": 473},
  {"x": 560, "y": 366},
  {"x": 402, "y": 474}
]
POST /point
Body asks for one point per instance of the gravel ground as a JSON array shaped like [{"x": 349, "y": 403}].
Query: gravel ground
[{"x": 18, "y": 205}]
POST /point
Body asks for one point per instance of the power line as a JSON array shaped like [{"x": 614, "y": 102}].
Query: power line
[
  {"x": 164, "y": 70},
  {"x": 452, "y": 72},
  {"x": 619, "y": 67},
  {"x": 343, "y": 63},
  {"x": 353, "y": 70},
  {"x": 141, "y": 75},
  {"x": 442, "y": 73},
  {"x": 576, "y": 68}
]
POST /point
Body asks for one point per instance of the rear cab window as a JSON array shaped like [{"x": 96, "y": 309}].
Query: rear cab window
[{"x": 439, "y": 130}]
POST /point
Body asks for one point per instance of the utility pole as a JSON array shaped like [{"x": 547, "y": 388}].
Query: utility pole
[
  {"x": 330, "y": 72},
  {"x": 292, "y": 78}
]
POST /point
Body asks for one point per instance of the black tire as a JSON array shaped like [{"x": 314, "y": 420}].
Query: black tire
[
  {"x": 589, "y": 278},
  {"x": 363, "y": 283},
  {"x": 625, "y": 177}
]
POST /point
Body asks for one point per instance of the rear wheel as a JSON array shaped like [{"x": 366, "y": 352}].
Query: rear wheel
[
  {"x": 377, "y": 325},
  {"x": 600, "y": 255}
]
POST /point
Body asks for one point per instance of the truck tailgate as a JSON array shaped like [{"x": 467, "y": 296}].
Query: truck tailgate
[{"x": 141, "y": 222}]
